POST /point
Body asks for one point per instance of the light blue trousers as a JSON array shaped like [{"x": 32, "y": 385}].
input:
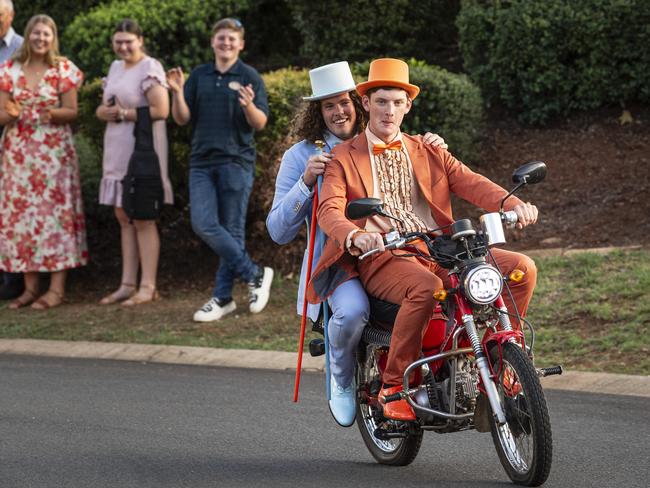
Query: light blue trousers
[{"x": 350, "y": 310}]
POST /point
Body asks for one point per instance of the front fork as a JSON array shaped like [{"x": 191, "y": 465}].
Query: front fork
[{"x": 483, "y": 367}]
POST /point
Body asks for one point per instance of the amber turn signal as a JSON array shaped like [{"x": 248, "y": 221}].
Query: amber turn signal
[
  {"x": 440, "y": 295},
  {"x": 516, "y": 275}
]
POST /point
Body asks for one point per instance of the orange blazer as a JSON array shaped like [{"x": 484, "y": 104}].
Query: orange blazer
[{"x": 349, "y": 176}]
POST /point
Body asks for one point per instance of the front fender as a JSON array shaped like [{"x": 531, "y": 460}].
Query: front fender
[{"x": 501, "y": 337}]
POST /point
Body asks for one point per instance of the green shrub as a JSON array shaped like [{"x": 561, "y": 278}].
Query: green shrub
[
  {"x": 285, "y": 88},
  {"x": 177, "y": 32},
  {"x": 543, "y": 58},
  {"x": 448, "y": 104},
  {"x": 59, "y": 10},
  {"x": 376, "y": 28}
]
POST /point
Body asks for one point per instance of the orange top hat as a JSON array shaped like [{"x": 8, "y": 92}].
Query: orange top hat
[{"x": 388, "y": 72}]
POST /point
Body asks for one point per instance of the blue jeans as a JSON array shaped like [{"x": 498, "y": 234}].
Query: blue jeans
[{"x": 218, "y": 202}]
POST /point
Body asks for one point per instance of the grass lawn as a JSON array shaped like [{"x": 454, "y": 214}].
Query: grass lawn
[{"x": 591, "y": 312}]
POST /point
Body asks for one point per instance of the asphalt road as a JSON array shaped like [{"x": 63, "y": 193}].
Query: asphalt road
[{"x": 93, "y": 423}]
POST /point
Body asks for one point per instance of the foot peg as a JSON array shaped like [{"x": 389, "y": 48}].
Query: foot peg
[
  {"x": 316, "y": 347},
  {"x": 542, "y": 372}
]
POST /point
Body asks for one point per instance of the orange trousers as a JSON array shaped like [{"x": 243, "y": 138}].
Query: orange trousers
[{"x": 411, "y": 283}]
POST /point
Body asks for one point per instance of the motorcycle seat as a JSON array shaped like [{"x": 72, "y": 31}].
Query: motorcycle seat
[{"x": 382, "y": 311}]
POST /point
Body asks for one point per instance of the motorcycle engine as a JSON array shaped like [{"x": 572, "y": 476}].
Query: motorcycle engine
[{"x": 466, "y": 385}]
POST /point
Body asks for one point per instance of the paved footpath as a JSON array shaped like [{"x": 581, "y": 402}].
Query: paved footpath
[{"x": 615, "y": 384}]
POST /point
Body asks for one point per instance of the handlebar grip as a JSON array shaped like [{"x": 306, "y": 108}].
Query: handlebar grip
[{"x": 509, "y": 217}]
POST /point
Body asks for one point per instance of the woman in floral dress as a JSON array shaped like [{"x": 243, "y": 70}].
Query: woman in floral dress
[{"x": 42, "y": 226}]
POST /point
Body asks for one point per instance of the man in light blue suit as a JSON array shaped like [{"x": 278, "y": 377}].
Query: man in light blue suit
[{"x": 333, "y": 114}]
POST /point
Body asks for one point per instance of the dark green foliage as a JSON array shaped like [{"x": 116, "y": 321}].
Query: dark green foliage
[
  {"x": 62, "y": 11},
  {"x": 448, "y": 104},
  {"x": 356, "y": 30},
  {"x": 177, "y": 32},
  {"x": 272, "y": 41},
  {"x": 543, "y": 58}
]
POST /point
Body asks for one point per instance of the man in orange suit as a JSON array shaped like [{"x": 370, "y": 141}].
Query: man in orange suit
[{"x": 415, "y": 182}]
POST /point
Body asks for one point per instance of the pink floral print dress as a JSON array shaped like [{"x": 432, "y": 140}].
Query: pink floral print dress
[{"x": 42, "y": 225}]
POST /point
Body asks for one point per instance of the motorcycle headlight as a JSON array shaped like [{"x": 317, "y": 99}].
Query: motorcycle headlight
[{"x": 483, "y": 284}]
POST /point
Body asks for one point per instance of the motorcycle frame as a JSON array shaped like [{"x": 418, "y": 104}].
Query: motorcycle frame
[{"x": 464, "y": 310}]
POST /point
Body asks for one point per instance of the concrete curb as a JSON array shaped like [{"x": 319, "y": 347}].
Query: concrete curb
[{"x": 615, "y": 384}]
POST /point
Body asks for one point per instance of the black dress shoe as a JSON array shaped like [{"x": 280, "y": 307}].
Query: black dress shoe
[{"x": 12, "y": 285}]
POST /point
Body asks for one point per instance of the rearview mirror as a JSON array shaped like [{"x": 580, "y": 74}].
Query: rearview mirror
[
  {"x": 363, "y": 208},
  {"x": 530, "y": 173}
]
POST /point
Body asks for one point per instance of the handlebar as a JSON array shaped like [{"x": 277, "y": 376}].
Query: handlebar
[
  {"x": 509, "y": 218},
  {"x": 401, "y": 242}
]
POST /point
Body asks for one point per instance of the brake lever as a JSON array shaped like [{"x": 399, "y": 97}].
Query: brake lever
[{"x": 388, "y": 247}]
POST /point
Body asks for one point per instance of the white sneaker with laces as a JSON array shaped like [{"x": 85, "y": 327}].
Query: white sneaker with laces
[
  {"x": 259, "y": 290},
  {"x": 214, "y": 310}
]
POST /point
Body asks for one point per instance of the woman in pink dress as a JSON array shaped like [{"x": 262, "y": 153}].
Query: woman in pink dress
[
  {"x": 42, "y": 226},
  {"x": 134, "y": 80}
]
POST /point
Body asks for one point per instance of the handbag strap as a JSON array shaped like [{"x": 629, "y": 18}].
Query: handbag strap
[{"x": 143, "y": 130}]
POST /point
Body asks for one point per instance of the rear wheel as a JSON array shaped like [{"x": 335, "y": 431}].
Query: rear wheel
[
  {"x": 524, "y": 442},
  {"x": 398, "y": 451}
]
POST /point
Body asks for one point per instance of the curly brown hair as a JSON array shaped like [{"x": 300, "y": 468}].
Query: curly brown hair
[{"x": 309, "y": 124}]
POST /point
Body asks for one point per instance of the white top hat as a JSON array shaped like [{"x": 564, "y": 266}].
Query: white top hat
[{"x": 330, "y": 80}]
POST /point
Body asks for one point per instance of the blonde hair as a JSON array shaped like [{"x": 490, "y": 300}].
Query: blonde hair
[{"x": 24, "y": 53}]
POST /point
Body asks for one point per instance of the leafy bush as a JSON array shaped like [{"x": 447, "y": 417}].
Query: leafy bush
[
  {"x": 59, "y": 10},
  {"x": 376, "y": 28},
  {"x": 542, "y": 58},
  {"x": 448, "y": 103},
  {"x": 177, "y": 32}
]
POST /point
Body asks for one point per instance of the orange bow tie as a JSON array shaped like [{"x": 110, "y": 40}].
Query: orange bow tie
[{"x": 391, "y": 146}]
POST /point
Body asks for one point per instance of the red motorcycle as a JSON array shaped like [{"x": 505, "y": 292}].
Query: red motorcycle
[{"x": 476, "y": 370}]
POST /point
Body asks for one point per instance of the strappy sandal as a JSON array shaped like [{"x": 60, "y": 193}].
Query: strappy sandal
[
  {"x": 23, "y": 301},
  {"x": 118, "y": 297},
  {"x": 139, "y": 300},
  {"x": 42, "y": 304}
]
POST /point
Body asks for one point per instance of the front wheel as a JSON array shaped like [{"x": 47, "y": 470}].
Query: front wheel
[
  {"x": 398, "y": 451},
  {"x": 524, "y": 442}
]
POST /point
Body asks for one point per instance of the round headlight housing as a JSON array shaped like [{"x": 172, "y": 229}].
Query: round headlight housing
[{"x": 483, "y": 284}]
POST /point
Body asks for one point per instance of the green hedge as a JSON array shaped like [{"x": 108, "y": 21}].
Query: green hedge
[
  {"x": 376, "y": 28},
  {"x": 177, "y": 32},
  {"x": 543, "y": 58},
  {"x": 60, "y": 10}
]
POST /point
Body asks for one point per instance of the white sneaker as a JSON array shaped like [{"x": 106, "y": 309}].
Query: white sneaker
[
  {"x": 214, "y": 310},
  {"x": 259, "y": 290}
]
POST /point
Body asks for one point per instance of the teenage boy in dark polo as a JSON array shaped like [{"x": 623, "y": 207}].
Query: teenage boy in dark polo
[{"x": 226, "y": 103}]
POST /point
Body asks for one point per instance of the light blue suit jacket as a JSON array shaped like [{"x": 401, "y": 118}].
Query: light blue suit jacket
[{"x": 292, "y": 206}]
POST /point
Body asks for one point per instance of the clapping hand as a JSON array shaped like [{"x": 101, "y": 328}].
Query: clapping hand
[
  {"x": 175, "y": 79},
  {"x": 13, "y": 108},
  {"x": 246, "y": 95}
]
